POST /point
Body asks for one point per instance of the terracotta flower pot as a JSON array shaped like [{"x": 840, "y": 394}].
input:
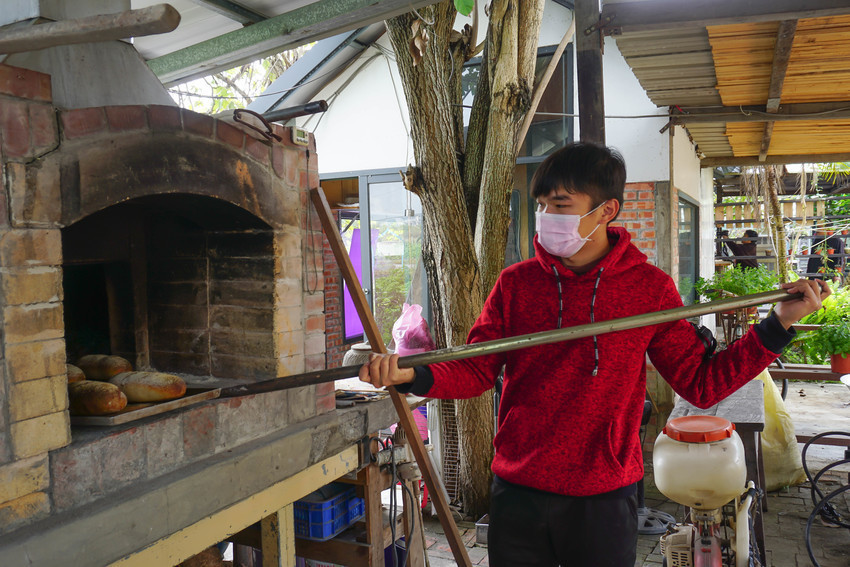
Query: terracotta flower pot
[{"x": 840, "y": 363}]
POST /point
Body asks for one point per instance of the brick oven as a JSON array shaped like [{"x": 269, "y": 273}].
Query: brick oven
[{"x": 183, "y": 243}]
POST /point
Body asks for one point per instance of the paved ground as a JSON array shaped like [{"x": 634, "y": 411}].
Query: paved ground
[
  {"x": 785, "y": 522},
  {"x": 788, "y": 509}
]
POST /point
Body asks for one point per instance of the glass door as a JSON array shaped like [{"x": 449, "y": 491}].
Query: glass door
[{"x": 395, "y": 219}]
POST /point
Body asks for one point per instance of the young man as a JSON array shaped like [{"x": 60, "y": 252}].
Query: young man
[
  {"x": 568, "y": 455},
  {"x": 747, "y": 247}
]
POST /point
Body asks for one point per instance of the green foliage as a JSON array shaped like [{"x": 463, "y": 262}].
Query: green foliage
[
  {"x": 838, "y": 207},
  {"x": 836, "y": 309},
  {"x": 390, "y": 293},
  {"x": 236, "y": 87},
  {"x": 464, "y": 6},
  {"x": 832, "y": 339},
  {"x": 737, "y": 280},
  {"x": 834, "y": 334}
]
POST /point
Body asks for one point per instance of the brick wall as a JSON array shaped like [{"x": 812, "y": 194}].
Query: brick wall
[
  {"x": 33, "y": 416},
  {"x": 335, "y": 347},
  {"x": 638, "y": 217}
]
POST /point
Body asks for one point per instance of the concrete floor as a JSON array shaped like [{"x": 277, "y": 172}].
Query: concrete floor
[
  {"x": 785, "y": 522},
  {"x": 788, "y": 509}
]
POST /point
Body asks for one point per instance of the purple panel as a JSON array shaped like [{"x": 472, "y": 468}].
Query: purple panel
[{"x": 353, "y": 326}]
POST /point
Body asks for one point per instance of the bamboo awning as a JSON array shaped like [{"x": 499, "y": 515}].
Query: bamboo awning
[{"x": 763, "y": 82}]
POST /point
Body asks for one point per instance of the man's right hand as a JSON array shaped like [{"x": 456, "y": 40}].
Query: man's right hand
[{"x": 382, "y": 370}]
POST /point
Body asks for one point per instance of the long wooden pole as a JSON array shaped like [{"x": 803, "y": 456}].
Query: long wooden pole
[
  {"x": 432, "y": 481},
  {"x": 522, "y": 341}
]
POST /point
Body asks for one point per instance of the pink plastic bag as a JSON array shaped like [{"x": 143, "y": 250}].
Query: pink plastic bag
[{"x": 410, "y": 332}]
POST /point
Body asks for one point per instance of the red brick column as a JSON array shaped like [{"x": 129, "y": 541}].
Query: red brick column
[
  {"x": 334, "y": 332},
  {"x": 638, "y": 217}
]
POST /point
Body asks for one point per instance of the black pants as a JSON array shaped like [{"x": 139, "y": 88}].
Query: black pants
[{"x": 531, "y": 528}]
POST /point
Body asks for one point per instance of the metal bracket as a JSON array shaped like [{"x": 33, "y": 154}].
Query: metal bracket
[
  {"x": 602, "y": 25},
  {"x": 267, "y": 133}
]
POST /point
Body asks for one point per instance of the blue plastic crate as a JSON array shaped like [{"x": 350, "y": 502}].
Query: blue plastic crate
[
  {"x": 356, "y": 509},
  {"x": 323, "y": 514}
]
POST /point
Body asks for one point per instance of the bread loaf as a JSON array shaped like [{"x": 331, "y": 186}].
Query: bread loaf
[
  {"x": 103, "y": 366},
  {"x": 75, "y": 373},
  {"x": 95, "y": 398},
  {"x": 149, "y": 386}
]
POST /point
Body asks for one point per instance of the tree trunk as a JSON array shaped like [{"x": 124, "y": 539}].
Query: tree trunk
[
  {"x": 465, "y": 191},
  {"x": 454, "y": 279},
  {"x": 777, "y": 224}
]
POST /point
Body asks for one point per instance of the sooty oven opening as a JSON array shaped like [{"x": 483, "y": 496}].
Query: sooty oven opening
[{"x": 175, "y": 283}]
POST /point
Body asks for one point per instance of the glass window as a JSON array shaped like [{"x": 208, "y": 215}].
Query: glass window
[
  {"x": 551, "y": 127},
  {"x": 688, "y": 253}
]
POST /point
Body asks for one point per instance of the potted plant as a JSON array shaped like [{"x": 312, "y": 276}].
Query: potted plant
[
  {"x": 737, "y": 281},
  {"x": 831, "y": 341},
  {"x": 834, "y": 340}
]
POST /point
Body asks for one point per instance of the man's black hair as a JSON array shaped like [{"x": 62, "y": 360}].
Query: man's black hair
[
  {"x": 750, "y": 232},
  {"x": 582, "y": 167}
]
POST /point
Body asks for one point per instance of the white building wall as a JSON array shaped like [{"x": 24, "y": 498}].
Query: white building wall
[
  {"x": 645, "y": 150},
  {"x": 697, "y": 183},
  {"x": 685, "y": 166},
  {"x": 366, "y": 124}
]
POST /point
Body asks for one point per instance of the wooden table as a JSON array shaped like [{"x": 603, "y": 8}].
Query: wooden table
[{"x": 744, "y": 408}]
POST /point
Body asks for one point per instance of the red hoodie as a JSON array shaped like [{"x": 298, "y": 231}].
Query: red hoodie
[{"x": 560, "y": 428}]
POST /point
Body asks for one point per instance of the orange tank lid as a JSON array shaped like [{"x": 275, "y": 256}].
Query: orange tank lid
[{"x": 699, "y": 428}]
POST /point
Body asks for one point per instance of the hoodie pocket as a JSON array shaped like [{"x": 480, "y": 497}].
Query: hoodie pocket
[{"x": 610, "y": 451}]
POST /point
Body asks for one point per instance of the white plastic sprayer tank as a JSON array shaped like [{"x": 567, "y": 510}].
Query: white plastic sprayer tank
[{"x": 698, "y": 461}]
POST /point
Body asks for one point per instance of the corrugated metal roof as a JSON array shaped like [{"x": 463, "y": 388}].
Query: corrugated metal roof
[{"x": 730, "y": 65}]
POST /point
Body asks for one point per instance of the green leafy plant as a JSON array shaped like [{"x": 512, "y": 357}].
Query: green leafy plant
[
  {"x": 833, "y": 339},
  {"x": 464, "y": 6},
  {"x": 738, "y": 281},
  {"x": 835, "y": 309},
  {"x": 834, "y": 333}
]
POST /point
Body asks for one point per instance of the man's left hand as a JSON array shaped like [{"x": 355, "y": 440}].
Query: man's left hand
[{"x": 791, "y": 311}]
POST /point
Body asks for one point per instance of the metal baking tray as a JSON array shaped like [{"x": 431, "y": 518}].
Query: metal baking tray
[{"x": 139, "y": 411}]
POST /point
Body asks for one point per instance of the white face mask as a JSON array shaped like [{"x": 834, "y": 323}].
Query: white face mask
[{"x": 559, "y": 235}]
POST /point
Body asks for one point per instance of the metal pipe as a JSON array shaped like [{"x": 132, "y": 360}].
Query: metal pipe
[
  {"x": 284, "y": 114},
  {"x": 523, "y": 341}
]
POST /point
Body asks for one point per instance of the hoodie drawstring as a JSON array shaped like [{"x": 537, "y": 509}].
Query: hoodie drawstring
[
  {"x": 560, "y": 295},
  {"x": 592, "y": 318}
]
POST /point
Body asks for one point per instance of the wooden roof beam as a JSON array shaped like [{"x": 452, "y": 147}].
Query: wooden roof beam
[
  {"x": 781, "y": 54},
  {"x": 624, "y": 17},
  {"x": 774, "y": 159},
  {"x": 839, "y": 110},
  {"x": 591, "y": 100}
]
